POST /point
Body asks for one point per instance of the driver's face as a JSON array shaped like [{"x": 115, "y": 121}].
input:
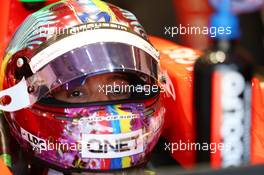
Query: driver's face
[{"x": 90, "y": 90}]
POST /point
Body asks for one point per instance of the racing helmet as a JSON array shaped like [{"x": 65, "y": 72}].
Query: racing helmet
[{"x": 57, "y": 50}]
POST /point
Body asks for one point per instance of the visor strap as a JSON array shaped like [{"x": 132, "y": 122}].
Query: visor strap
[{"x": 18, "y": 97}]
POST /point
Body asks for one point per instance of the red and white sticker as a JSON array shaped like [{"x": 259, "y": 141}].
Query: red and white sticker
[{"x": 34, "y": 141}]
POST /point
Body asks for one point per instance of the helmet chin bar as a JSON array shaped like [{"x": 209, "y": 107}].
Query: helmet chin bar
[{"x": 20, "y": 98}]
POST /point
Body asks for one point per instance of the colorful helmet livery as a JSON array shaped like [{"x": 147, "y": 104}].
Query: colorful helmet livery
[{"x": 60, "y": 46}]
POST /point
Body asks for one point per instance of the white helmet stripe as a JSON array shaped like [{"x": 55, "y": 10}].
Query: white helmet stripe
[{"x": 89, "y": 37}]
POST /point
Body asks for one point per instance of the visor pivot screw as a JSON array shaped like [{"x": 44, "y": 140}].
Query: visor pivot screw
[
  {"x": 20, "y": 62},
  {"x": 31, "y": 89}
]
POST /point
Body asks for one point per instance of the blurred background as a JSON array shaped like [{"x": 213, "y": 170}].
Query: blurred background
[{"x": 155, "y": 15}]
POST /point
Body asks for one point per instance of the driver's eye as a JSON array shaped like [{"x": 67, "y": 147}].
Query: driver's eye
[
  {"x": 76, "y": 94},
  {"x": 118, "y": 94},
  {"x": 117, "y": 91}
]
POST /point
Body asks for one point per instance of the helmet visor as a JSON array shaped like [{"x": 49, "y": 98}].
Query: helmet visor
[
  {"x": 87, "y": 61},
  {"x": 92, "y": 60}
]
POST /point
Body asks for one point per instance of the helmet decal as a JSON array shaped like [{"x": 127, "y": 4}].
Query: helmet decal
[{"x": 95, "y": 11}]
